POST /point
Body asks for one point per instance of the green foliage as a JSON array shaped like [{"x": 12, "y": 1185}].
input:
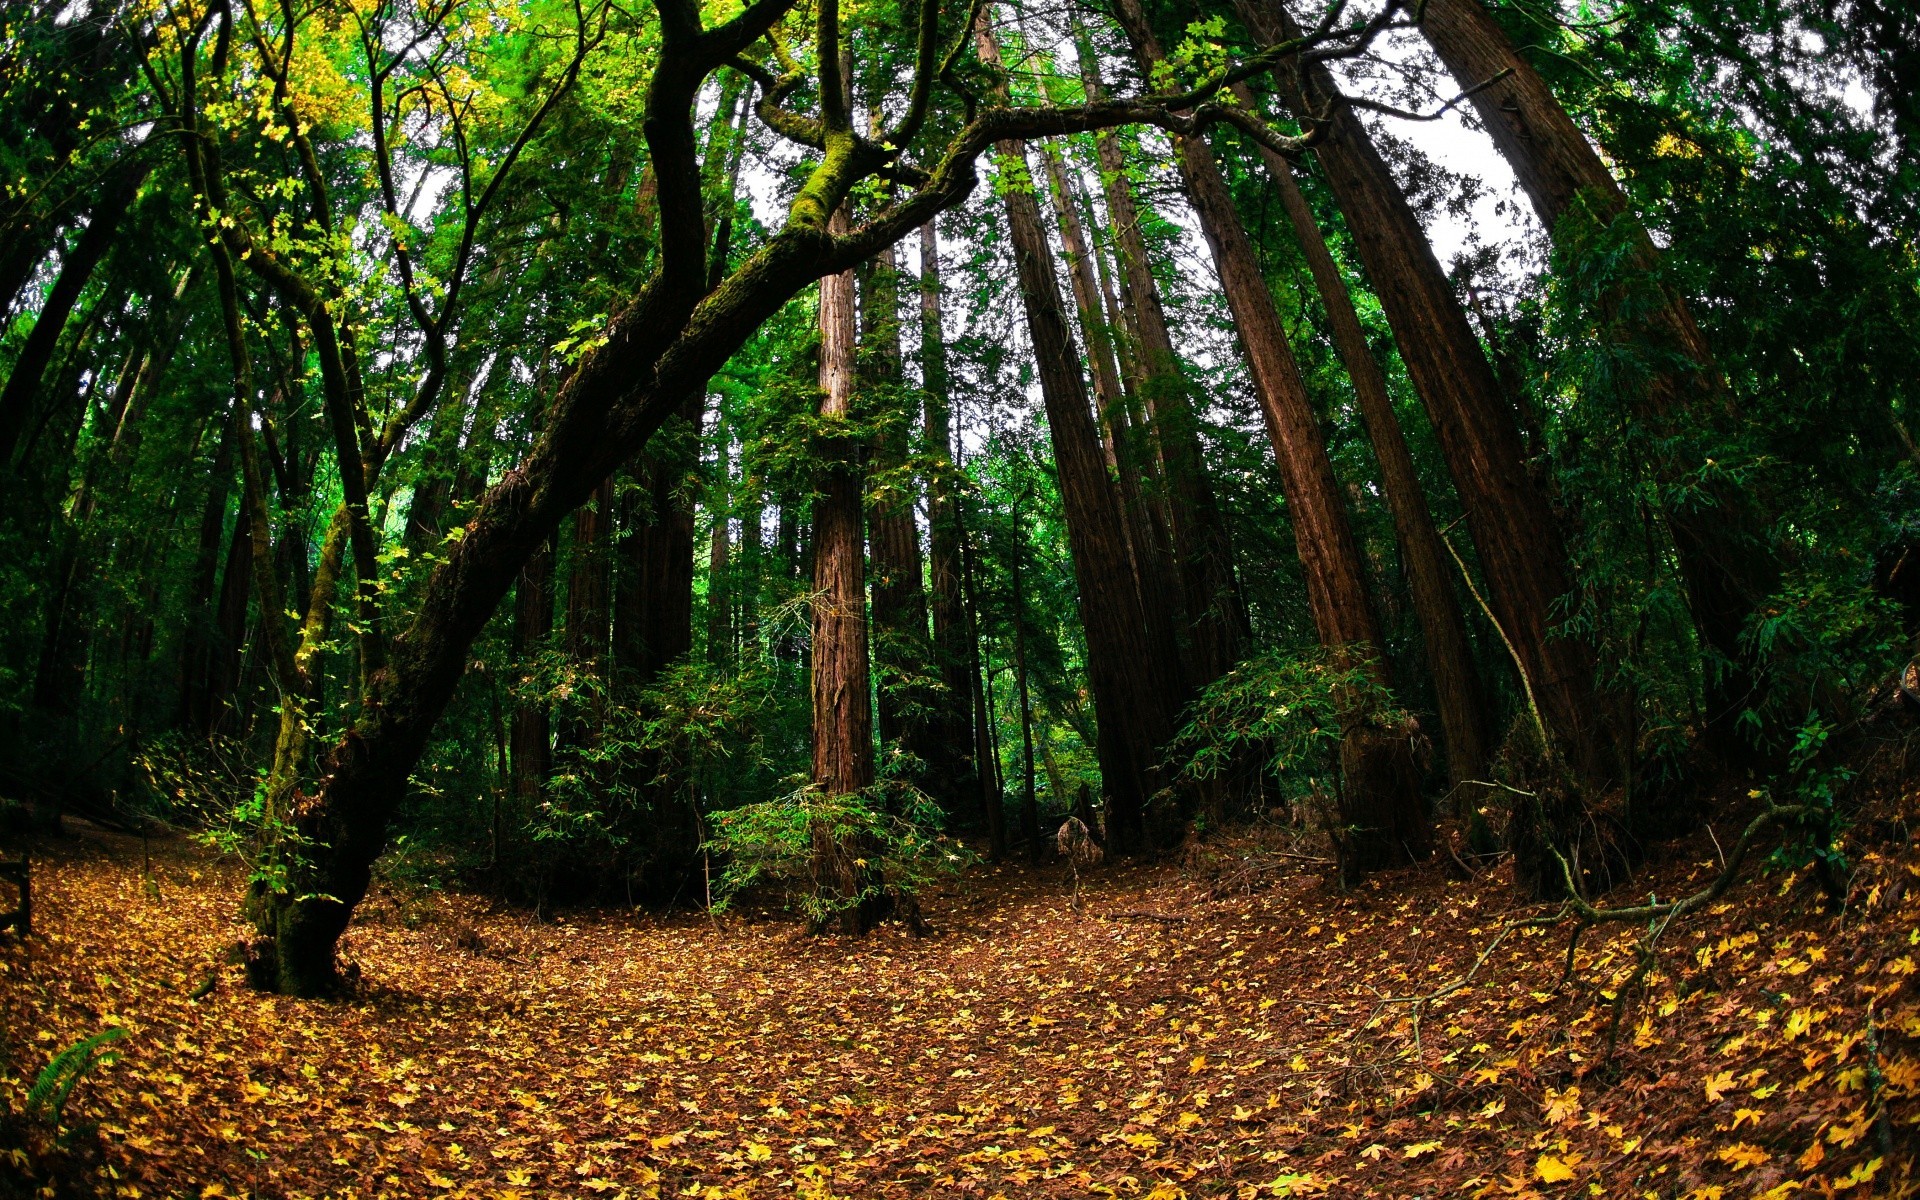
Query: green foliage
[
  {"x": 773, "y": 843},
  {"x": 1287, "y": 710},
  {"x": 53, "y": 1087}
]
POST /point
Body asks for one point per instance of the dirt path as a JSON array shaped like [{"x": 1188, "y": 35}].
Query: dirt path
[{"x": 1159, "y": 1042}]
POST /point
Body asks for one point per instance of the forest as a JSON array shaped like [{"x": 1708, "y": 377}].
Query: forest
[{"x": 1134, "y": 598}]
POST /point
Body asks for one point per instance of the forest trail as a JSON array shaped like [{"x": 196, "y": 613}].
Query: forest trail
[{"x": 1179, "y": 1035}]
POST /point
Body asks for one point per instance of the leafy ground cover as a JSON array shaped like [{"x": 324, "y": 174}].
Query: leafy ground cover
[{"x": 1225, "y": 1025}]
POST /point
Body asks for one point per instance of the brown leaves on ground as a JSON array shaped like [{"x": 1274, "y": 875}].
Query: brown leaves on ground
[{"x": 1246, "y": 1046}]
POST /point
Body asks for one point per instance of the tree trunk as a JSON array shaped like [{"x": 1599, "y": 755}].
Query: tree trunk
[
  {"x": 1029, "y": 802},
  {"x": 953, "y": 776},
  {"x": 900, "y": 647},
  {"x": 230, "y": 626},
  {"x": 1217, "y": 620},
  {"x": 1726, "y": 560},
  {"x": 719, "y": 551},
  {"x": 993, "y": 811},
  {"x": 1382, "y": 810},
  {"x": 1520, "y": 547},
  {"x": 1456, "y": 680},
  {"x": 202, "y": 658},
  {"x": 1130, "y": 701},
  {"x": 1155, "y": 576},
  {"x": 841, "y": 675}
]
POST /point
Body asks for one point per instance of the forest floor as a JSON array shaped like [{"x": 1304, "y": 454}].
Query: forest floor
[{"x": 1213, "y": 1026}]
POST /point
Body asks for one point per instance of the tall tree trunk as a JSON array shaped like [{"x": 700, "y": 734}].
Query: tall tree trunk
[
  {"x": 841, "y": 675},
  {"x": 1520, "y": 548},
  {"x": 531, "y": 736},
  {"x": 1217, "y": 620},
  {"x": 1726, "y": 560},
  {"x": 901, "y": 650},
  {"x": 1029, "y": 802},
  {"x": 1382, "y": 810},
  {"x": 1456, "y": 681},
  {"x": 1131, "y": 703},
  {"x": 953, "y": 774},
  {"x": 202, "y": 658},
  {"x": 1154, "y": 574},
  {"x": 993, "y": 811},
  {"x": 752, "y": 556},
  {"x": 230, "y": 626}
]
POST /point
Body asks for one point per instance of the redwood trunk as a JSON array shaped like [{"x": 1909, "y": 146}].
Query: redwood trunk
[
  {"x": 1155, "y": 577},
  {"x": 1519, "y": 545},
  {"x": 1456, "y": 681},
  {"x": 841, "y": 674},
  {"x": 899, "y": 596},
  {"x": 1217, "y": 621}
]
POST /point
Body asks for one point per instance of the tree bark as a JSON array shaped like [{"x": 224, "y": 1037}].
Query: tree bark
[
  {"x": 1456, "y": 681},
  {"x": 531, "y": 737},
  {"x": 1154, "y": 574},
  {"x": 1726, "y": 561},
  {"x": 1520, "y": 547},
  {"x": 901, "y": 650},
  {"x": 841, "y": 673},
  {"x": 1382, "y": 811},
  {"x": 76, "y": 268}
]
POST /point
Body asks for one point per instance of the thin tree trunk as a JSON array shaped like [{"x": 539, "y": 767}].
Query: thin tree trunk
[
  {"x": 954, "y": 773},
  {"x": 1029, "y": 802},
  {"x": 719, "y": 551}
]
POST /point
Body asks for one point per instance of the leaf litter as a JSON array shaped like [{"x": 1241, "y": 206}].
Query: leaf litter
[{"x": 1163, "y": 1041}]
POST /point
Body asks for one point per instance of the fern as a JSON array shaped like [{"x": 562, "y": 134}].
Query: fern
[{"x": 47, "y": 1100}]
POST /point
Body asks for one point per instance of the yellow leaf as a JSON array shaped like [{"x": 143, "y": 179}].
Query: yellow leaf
[
  {"x": 759, "y": 1151},
  {"x": 1142, "y": 1141},
  {"x": 1419, "y": 1148},
  {"x": 1373, "y": 1152},
  {"x": 1167, "y": 1191},
  {"x": 1742, "y": 1155},
  {"x": 1815, "y": 1155},
  {"x": 1187, "y": 1120},
  {"x": 1746, "y": 1116},
  {"x": 1548, "y": 1169},
  {"x": 1861, "y": 1174},
  {"x": 1562, "y": 1106},
  {"x": 1198, "y": 1064},
  {"x": 1719, "y": 1086}
]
